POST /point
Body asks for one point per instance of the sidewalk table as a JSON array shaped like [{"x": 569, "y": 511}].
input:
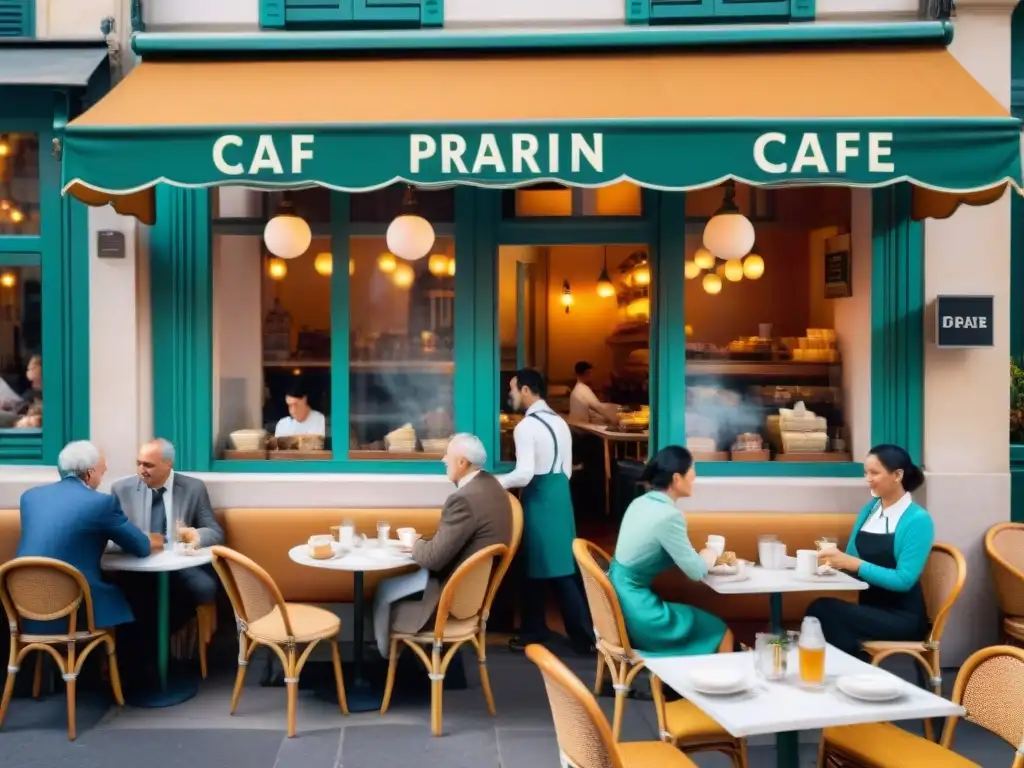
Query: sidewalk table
[
  {"x": 785, "y": 707},
  {"x": 362, "y": 695},
  {"x": 184, "y": 686},
  {"x": 774, "y": 583}
]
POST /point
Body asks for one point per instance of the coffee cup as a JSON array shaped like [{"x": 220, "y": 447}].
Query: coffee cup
[
  {"x": 772, "y": 554},
  {"x": 408, "y": 536},
  {"x": 806, "y": 562},
  {"x": 717, "y": 543}
]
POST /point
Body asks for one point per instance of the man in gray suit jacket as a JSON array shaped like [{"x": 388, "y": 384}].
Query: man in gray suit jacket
[
  {"x": 156, "y": 498},
  {"x": 477, "y": 515}
]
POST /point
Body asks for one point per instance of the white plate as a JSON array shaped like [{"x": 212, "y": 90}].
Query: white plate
[
  {"x": 869, "y": 687},
  {"x": 720, "y": 683},
  {"x": 723, "y": 570},
  {"x": 733, "y": 578}
]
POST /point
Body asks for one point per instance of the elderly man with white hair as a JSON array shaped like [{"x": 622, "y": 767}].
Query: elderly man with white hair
[
  {"x": 477, "y": 515},
  {"x": 71, "y": 521}
]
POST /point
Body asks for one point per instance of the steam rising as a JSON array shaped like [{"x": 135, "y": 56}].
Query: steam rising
[{"x": 718, "y": 411}]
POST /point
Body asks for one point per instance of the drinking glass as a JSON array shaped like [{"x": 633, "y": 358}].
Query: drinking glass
[
  {"x": 811, "y": 653},
  {"x": 383, "y": 532},
  {"x": 771, "y": 651},
  {"x": 826, "y": 543}
]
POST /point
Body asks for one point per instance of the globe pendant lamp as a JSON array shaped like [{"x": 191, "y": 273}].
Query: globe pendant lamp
[
  {"x": 605, "y": 287},
  {"x": 729, "y": 235},
  {"x": 410, "y": 236},
  {"x": 287, "y": 236}
]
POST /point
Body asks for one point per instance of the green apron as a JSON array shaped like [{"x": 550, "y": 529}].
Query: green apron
[{"x": 549, "y": 526}]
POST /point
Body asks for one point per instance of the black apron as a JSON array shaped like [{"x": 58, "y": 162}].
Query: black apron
[{"x": 881, "y": 613}]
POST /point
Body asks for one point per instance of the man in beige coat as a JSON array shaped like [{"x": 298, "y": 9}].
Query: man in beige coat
[{"x": 477, "y": 515}]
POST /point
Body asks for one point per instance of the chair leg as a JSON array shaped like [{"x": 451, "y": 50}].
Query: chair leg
[
  {"x": 739, "y": 755},
  {"x": 599, "y": 677},
  {"x": 203, "y": 634},
  {"x": 389, "y": 685},
  {"x": 339, "y": 679},
  {"x": 37, "y": 675},
  {"x": 620, "y": 707},
  {"x": 71, "y": 686},
  {"x": 5, "y": 702},
  {"x": 822, "y": 752},
  {"x": 245, "y": 650},
  {"x": 115, "y": 672},
  {"x": 291, "y": 682},
  {"x": 436, "y": 690},
  {"x": 485, "y": 679}
]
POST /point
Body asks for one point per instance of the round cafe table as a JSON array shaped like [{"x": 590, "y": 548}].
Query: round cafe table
[
  {"x": 362, "y": 695},
  {"x": 184, "y": 686}
]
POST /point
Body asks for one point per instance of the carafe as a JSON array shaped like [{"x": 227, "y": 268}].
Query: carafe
[{"x": 811, "y": 652}]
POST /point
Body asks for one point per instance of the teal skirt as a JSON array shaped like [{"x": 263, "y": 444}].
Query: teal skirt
[{"x": 660, "y": 628}]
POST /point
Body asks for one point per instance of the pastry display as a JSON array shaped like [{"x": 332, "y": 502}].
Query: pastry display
[
  {"x": 818, "y": 346},
  {"x": 798, "y": 430},
  {"x": 401, "y": 440}
]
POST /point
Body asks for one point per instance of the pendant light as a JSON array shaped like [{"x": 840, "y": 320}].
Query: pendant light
[
  {"x": 753, "y": 266},
  {"x": 287, "y": 236},
  {"x": 410, "y": 236},
  {"x": 567, "y": 298},
  {"x": 729, "y": 234},
  {"x": 324, "y": 264},
  {"x": 605, "y": 287}
]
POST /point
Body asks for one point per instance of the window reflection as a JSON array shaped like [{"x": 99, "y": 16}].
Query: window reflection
[
  {"x": 19, "y": 184},
  {"x": 21, "y": 364},
  {"x": 402, "y": 335}
]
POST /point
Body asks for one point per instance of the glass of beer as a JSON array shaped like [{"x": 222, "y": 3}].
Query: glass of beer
[{"x": 811, "y": 653}]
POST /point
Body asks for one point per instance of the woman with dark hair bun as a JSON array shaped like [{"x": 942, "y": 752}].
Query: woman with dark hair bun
[
  {"x": 652, "y": 539},
  {"x": 888, "y": 549}
]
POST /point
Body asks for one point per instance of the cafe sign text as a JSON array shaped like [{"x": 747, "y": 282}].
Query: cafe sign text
[
  {"x": 232, "y": 157},
  {"x": 516, "y": 153},
  {"x": 777, "y": 153},
  {"x": 964, "y": 321}
]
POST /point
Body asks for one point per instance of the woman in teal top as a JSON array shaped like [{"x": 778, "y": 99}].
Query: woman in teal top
[
  {"x": 652, "y": 539},
  {"x": 889, "y": 547}
]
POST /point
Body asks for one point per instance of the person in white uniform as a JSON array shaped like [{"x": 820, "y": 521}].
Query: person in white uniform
[
  {"x": 585, "y": 406},
  {"x": 301, "y": 419},
  {"x": 543, "y": 468}
]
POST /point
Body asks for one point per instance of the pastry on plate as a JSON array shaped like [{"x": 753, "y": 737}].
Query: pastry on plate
[{"x": 726, "y": 558}]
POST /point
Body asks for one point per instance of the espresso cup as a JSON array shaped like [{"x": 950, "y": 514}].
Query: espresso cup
[{"x": 408, "y": 536}]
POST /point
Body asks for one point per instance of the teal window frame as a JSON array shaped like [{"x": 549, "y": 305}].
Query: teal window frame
[
  {"x": 350, "y": 14},
  {"x": 1017, "y": 257},
  {"x": 61, "y": 250},
  {"x": 182, "y": 295},
  {"x": 660, "y": 12}
]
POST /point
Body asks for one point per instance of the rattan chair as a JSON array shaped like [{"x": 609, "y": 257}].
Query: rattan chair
[
  {"x": 990, "y": 686},
  {"x": 206, "y": 627},
  {"x": 1004, "y": 545},
  {"x": 460, "y": 620},
  {"x": 585, "y": 739},
  {"x": 264, "y": 618},
  {"x": 942, "y": 581},
  {"x": 44, "y": 589},
  {"x": 680, "y": 722}
]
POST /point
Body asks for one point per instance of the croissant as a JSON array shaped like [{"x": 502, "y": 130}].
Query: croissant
[{"x": 726, "y": 558}]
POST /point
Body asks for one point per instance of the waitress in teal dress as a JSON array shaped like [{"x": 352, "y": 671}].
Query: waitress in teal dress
[{"x": 652, "y": 539}]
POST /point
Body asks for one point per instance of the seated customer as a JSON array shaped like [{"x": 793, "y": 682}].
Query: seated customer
[
  {"x": 70, "y": 521},
  {"x": 477, "y": 515},
  {"x": 889, "y": 547},
  {"x": 157, "y": 495},
  {"x": 301, "y": 419},
  {"x": 584, "y": 405},
  {"x": 652, "y": 539}
]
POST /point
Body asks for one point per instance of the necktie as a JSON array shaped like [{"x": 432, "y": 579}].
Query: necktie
[{"x": 158, "y": 515}]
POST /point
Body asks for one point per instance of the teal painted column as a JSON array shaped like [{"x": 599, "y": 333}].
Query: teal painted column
[
  {"x": 897, "y": 321},
  {"x": 668, "y": 320},
  {"x": 181, "y": 285},
  {"x": 75, "y": 265},
  {"x": 341, "y": 321}
]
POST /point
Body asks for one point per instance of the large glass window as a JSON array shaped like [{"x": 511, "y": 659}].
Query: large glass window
[
  {"x": 402, "y": 339},
  {"x": 550, "y": 200},
  {"x": 19, "y": 184},
  {"x": 580, "y": 314},
  {"x": 767, "y": 328},
  {"x": 272, "y": 332},
  {"x": 21, "y": 362}
]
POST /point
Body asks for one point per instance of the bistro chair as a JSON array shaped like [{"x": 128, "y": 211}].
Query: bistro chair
[
  {"x": 264, "y": 618},
  {"x": 942, "y": 582},
  {"x": 680, "y": 723},
  {"x": 460, "y": 620},
  {"x": 1004, "y": 545},
  {"x": 206, "y": 627},
  {"x": 585, "y": 739},
  {"x": 990, "y": 687},
  {"x": 44, "y": 589}
]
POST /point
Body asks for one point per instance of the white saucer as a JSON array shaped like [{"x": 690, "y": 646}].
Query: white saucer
[
  {"x": 869, "y": 687},
  {"x": 711, "y": 684},
  {"x": 730, "y": 578},
  {"x": 723, "y": 570}
]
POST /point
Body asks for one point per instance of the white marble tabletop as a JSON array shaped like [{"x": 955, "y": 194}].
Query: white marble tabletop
[
  {"x": 367, "y": 557},
  {"x": 765, "y": 581},
  {"x": 778, "y": 707},
  {"x": 165, "y": 560}
]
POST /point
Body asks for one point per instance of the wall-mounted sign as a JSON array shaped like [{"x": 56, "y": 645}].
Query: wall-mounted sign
[
  {"x": 964, "y": 321},
  {"x": 837, "y": 268},
  {"x": 110, "y": 244}
]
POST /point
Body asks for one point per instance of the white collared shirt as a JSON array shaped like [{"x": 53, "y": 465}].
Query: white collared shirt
[
  {"x": 583, "y": 402},
  {"x": 464, "y": 480},
  {"x": 885, "y": 520},
  {"x": 315, "y": 424},
  {"x": 535, "y": 451},
  {"x": 169, "y": 495}
]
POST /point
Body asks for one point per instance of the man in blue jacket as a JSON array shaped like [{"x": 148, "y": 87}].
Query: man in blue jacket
[{"x": 71, "y": 521}]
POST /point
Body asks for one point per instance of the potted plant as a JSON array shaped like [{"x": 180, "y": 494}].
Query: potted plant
[{"x": 1016, "y": 402}]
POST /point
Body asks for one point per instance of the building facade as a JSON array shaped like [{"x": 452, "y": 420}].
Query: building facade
[{"x": 156, "y": 311}]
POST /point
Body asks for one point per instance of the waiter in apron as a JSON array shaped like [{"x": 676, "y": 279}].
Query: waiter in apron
[{"x": 543, "y": 467}]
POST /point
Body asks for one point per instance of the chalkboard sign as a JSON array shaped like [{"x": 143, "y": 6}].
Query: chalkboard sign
[
  {"x": 964, "y": 321},
  {"x": 837, "y": 268}
]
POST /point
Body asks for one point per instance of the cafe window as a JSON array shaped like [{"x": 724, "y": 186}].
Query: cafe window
[
  {"x": 767, "y": 321},
  {"x": 21, "y": 362},
  {"x": 19, "y": 184},
  {"x": 549, "y": 200},
  {"x": 272, "y": 327},
  {"x": 402, "y": 340}
]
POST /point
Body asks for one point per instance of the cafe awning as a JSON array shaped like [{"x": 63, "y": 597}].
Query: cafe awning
[{"x": 864, "y": 117}]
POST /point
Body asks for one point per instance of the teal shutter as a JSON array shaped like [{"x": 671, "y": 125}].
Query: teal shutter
[
  {"x": 675, "y": 11},
  {"x": 17, "y": 18},
  {"x": 272, "y": 14},
  {"x": 351, "y": 14}
]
